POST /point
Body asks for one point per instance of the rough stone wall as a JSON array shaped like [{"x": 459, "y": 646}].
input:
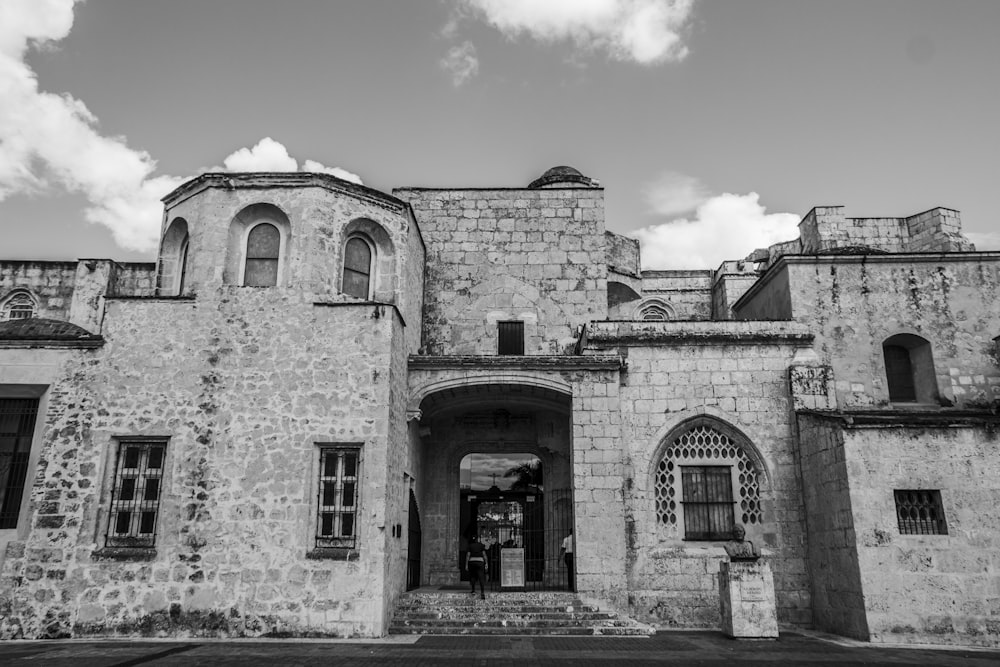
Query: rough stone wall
[
  {"x": 837, "y": 593},
  {"x": 731, "y": 281},
  {"x": 533, "y": 255},
  {"x": 133, "y": 279},
  {"x": 623, "y": 254},
  {"x": 928, "y": 588},
  {"x": 856, "y": 303},
  {"x": 705, "y": 370},
  {"x": 688, "y": 293},
  {"x": 51, "y": 283},
  {"x": 936, "y": 230},
  {"x": 244, "y": 382}
]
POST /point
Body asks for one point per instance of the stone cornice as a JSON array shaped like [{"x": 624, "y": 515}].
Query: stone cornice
[
  {"x": 270, "y": 180},
  {"x": 903, "y": 418},
  {"x": 640, "y": 333},
  {"x": 604, "y": 362}
]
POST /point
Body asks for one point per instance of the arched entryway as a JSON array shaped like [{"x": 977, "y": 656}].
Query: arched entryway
[{"x": 496, "y": 461}]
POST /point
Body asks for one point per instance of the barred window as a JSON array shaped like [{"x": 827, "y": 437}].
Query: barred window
[
  {"x": 17, "y": 426},
  {"x": 19, "y": 306},
  {"x": 708, "y": 502},
  {"x": 703, "y": 472},
  {"x": 135, "y": 499},
  {"x": 339, "y": 474},
  {"x": 510, "y": 338},
  {"x": 920, "y": 512}
]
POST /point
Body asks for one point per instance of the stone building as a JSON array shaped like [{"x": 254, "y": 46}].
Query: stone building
[{"x": 319, "y": 391}]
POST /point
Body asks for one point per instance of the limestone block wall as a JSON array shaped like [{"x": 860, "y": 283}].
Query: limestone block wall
[
  {"x": 837, "y": 591},
  {"x": 623, "y": 253},
  {"x": 856, "y": 303},
  {"x": 51, "y": 283},
  {"x": 533, "y": 255},
  {"x": 939, "y": 589},
  {"x": 735, "y": 374},
  {"x": 133, "y": 279},
  {"x": 731, "y": 281},
  {"x": 244, "y": 382},
  {"x": 688, "y": 293}
]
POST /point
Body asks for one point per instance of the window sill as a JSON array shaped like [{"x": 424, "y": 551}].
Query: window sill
[
  {"x": 124, "y": 553},
  {"x": 333, "y": 553}
]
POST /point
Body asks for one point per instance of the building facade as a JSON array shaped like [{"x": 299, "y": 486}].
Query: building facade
[{"x": 320, "y": 392}]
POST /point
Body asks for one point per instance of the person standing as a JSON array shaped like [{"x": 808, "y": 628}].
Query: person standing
[
  {"x": 475, "y": 563},
  {"x": 567, "y": 555}
]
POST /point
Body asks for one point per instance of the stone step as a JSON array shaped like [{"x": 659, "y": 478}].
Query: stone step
[
  {"x": 622, "y": 631},
  {"x": 534, "y": 613}
]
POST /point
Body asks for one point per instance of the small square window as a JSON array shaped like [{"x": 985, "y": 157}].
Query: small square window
[
  {"x": 510, "y": 338},
  {"x": 135, "y": 498},
  {"x": 919, "y": 512},
  {"x": 337, "y": 506}
]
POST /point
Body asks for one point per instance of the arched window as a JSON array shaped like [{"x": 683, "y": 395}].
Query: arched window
[
  {"x": 706, "y": 482},
  {"x": 19, "y": 306},
  {"x": 182, "y": 258},
  {"x": 262, "y": 251},
  {"x": 358, "y": 261},
  {"x": 172, "y": 267},
  {"x": 909, "y": 369}
]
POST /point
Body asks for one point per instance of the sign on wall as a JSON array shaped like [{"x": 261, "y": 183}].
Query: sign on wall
[{"x": 512, "y": 568}]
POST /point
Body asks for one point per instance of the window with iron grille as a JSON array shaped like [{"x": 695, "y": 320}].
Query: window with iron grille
[
  {"x": 17, "y": 426},
  {"x": 135, "y": 499},
  {"x": 920, "y": 512},
  {"x": 339, "y": 475},
  {"x": 510, "y": 338},
  {"x": 707, "y": 498},
  {"x": 20, "y": 306}
]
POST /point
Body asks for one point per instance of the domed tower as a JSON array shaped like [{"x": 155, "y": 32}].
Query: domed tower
[{"x": 563, "y": 177}]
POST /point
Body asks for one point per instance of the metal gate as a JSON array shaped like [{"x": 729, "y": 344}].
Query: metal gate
[
  {"x": 521, "y": 521},
  {"x": 413, "y": 546}
]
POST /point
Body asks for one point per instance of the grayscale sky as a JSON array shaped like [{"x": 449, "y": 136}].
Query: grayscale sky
[{"x": 713, "y": 125}]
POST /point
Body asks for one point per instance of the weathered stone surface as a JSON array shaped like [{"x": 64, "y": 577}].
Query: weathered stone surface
[{"x": 746, "y": 598}]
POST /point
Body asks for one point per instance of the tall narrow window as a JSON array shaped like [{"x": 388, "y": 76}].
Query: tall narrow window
[
  {"x": 357, "y": 268},
  {"x": 707, "y": 497},
  {"x": 20, "y": 306},
  {"x": 339, "y": 472},
  {"x": 182, "y": 259},
  {"x": 263, "y": 248},
  {"x": 899, "y": 373},
  {"x": 17, "y": 425},
  {"x": 135, "y": 499},
  {"x": 510, "y": 338}
]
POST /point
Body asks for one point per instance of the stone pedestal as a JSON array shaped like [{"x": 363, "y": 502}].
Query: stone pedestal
[{"x": 746, "y": 595}]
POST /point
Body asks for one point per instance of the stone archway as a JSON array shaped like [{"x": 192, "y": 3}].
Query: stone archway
[{"x": 492, "y": 419}]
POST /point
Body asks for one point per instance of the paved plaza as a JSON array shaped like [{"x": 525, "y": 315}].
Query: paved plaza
[{"x": 674, "y": 648}]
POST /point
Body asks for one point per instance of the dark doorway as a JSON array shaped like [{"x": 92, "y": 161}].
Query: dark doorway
[{"x": 413, "y": 546}]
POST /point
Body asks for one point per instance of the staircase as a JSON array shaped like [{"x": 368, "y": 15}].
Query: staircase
[{"x": 436, "y": 612}]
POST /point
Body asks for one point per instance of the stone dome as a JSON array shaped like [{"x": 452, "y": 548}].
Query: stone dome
[{"x": 563, "y": 177}]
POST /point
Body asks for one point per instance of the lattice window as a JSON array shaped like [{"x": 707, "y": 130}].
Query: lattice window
[
  {"x": 920, "y": 512},
  {"x": 135, "y": 499},
  {"x": 20, "y": 306},
  {"x": 339, "y": 474},
  {"x": 704, "y": 445}
]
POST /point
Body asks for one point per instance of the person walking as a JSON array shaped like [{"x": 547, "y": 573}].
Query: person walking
[
  {"x": 567, "y": 555},
  {"x": 476, "y": 564}
]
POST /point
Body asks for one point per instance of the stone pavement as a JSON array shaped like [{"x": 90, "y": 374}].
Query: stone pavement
[{"x": 676, "y": 648}]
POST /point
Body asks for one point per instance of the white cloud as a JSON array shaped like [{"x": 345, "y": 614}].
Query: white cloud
[
  {"x": 642, "y": 31},
  {"x": 53, "y": 140},
  {"x": 312, "y": 165},
  {"x": 461, "y": 62},
  {"x": 984, "y": 240},
  {"x": 726, "y": 226}
]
